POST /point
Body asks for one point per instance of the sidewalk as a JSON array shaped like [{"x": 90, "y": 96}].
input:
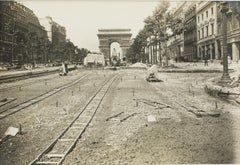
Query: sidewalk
[
  {"x": 16, "y": 72},
  {"x": 212, "y": 87},
  {"x": 32, "y": 71},
  {"x": 199, "y": 67}
]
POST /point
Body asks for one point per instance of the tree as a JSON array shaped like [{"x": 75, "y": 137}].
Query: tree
[
  {"x": 136, "y": 51},
  {"x": 155, "y": 26},
  {"x": 68, "y": 51}
]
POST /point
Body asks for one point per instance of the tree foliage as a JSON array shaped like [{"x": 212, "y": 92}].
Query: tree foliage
[{"x": 154, "y": 25}]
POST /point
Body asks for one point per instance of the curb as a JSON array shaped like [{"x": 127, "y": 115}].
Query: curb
[
  {"x": 191, "y": 71},
  {"x": 29, "y": 74},
  {"x": 224, "y": 93}
]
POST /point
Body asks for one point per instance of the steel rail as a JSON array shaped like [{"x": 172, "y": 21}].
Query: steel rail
[
  {"x": 25, "y": 104},
  {"x": 79, "y": 123},
  {"x": 25, "y": 84}
]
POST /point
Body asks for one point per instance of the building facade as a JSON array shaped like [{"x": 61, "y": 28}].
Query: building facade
[
  {"x": 22, "y": 38},
  {"x": 195, "y": 33},
  {"x": 175, "y": 43},
  {"x": 57, "y": 36},
  {"x": 233, "y": 30},
  {"x": 208, "y": 47},
  {"x": 190, "y": 34}
]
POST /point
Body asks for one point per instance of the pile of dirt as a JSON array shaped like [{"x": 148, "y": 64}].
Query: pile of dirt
[{"x": 138, "y": 65}]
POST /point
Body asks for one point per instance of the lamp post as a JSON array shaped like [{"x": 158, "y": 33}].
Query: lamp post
[
  {"x": 13, "y": 37},
  {"x": 225, "y": 79}
]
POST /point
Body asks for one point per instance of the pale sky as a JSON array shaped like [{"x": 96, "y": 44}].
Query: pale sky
[{"x": 82, "y": 19}]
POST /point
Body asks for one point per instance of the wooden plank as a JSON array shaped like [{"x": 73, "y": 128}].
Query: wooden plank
[
  {"x": 73, "y": 127},
  {"x": 65, "y": 140},
  {"x": 79, "y": 123},
  {"x": 114, "y": 116},
  {"x": 46, "y": 162},
  {"x": 55, "y": 155},
  {"x": 127, "y": 117}
]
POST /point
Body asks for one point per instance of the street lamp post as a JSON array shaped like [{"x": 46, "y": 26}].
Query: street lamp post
[
  {"x": 225, "y": 79},
  {"x": 12, "y": 59},
  {"x": 13, "y": 38}
]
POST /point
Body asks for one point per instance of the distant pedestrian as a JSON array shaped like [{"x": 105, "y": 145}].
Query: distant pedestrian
[{"x": 205, "y": 61}]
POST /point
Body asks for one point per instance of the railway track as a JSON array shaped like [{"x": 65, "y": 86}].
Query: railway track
[
  {"x": 25, "y": 84},
  {"x": 56, "y": 152},
  {"x": 9, "y": 111}
]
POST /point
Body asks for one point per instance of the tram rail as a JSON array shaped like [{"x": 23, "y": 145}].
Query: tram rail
[
  {"x": 71, "y": 134},
  {"x": 9, "y": 111}
]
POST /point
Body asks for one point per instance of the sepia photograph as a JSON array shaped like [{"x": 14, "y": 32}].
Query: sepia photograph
[{"x": 119, "y": 82}]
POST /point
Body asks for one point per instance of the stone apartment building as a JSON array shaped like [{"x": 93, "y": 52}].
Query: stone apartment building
[
  {"x": 21, "y": 35},
  {"x": 196, "y": 31},
  {"x": 208, "y": 46},
  {"x": 233, "y": 30},
  {"x": 56, "y": 35},
  {"x": 190, "y": 33},
  {"x": 209, "y": 29},
  {"x": 176, "y": 42}
]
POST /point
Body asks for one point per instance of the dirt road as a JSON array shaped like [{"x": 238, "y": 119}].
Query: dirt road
[{"x": 173, "y": 121}]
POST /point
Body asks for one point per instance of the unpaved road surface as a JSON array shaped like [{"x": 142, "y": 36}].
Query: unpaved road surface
[{"x": 188, "y": 126}]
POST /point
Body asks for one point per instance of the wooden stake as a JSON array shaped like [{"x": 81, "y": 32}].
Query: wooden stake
[
  {"x": 216, "y": 106},
  {"x": 20, "y": 129}
]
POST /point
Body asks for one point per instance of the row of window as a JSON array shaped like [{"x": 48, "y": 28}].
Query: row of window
[
  {"x": 206, "y": 13},
  {"x": 208, "y": 29},
  {"x": 6, "y": 48}
]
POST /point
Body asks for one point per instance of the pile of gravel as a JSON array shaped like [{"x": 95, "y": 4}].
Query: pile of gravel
[{"x": 138, "y": 65}]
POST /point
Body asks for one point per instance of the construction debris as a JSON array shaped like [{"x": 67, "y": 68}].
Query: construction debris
[
  {"x": 125, "y": 118},
  {"x": 114, "y": 116},
  {"x": 138, "y": 65},
  {"x": 12, "y": 131},
  {"x": 152, "y": 74},
  {"x": 198, "y": 112},
  {"x": 151, "y": 118},
  {"x": 155, "y": 104}
]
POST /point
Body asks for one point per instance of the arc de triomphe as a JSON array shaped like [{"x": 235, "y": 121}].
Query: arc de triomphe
[{"x": 108, "y": 36}]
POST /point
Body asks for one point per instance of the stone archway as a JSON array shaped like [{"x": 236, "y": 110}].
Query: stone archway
[{"x": 108, "y": 36}]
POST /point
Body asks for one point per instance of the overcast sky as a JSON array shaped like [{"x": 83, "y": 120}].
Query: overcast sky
[{"x": 82, "y": 19}]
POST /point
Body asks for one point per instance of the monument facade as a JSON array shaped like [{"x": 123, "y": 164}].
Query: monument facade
[{"x": 108, "y": 36}]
